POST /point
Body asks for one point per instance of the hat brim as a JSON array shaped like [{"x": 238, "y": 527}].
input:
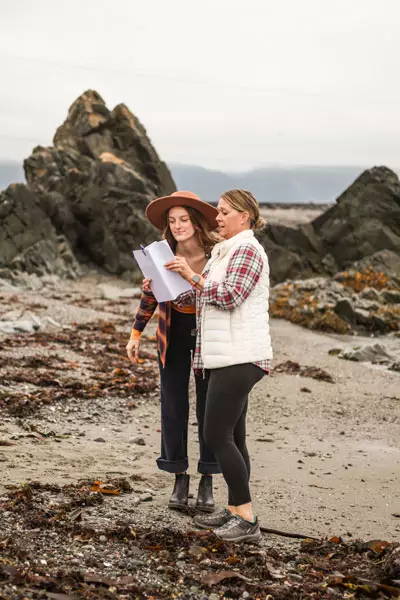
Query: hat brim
[{"x": 155, "y": 211}]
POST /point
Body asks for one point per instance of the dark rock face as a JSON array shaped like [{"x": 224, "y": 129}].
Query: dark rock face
[
  {"x": 365, "y": 222},
  {"x": 85, "y": 197},
  {"x": 366, "y": 218},
  {"x": 96, "y": 181},
  {"x": 28, "y": 240},
  {"x": 291, "y": 252}
]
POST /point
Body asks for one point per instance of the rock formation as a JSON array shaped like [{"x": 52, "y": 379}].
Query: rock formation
[
  {"x": 85, "y": 196},
  {"x": 367, "y": 302},
  {"x": 28, "y": 241},
  {"x": 364, "y": 223}
]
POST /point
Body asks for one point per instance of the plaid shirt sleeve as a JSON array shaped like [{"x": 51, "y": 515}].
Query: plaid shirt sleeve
[
  {"x": 243, "y": 272},
  {"x": 147, "y": 306}
]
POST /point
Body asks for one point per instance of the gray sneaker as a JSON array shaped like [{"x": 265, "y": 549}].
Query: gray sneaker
[
  {"x": 216, "y": 519},
  {"x": 239, "y": 530}
]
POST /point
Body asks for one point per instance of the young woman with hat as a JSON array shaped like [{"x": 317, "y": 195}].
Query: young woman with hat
[
  {"x": 187, "y": 224},
  {"x": 234, "y": 348}
]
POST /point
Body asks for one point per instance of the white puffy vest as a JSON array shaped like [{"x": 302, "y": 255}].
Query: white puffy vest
[{"x": 241, "y": 335}]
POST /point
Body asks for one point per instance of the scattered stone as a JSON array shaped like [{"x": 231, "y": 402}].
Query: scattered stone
[
  {"x": 383, "y": 261},
  {"x": 391, "y": 296},
  {"x": 197, "y": 552},
  {"x": 374, "y": 353},
  {"x": 145, "y": 497},
  {"x": 351, "y": 302},
  {"x": 369, "y": 293},
  {"x": 138, "y": 440},
  {"x": 21, "y": 326},
  {"x": 99, "y": 439}
]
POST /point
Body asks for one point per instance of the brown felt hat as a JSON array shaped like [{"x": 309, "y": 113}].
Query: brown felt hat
[{"x": 156, "y": 209}]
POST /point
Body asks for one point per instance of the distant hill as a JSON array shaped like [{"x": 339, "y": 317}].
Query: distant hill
[
  {"x": 10, "y": 172},
  {"x": 317, "y": 185},
  {"x": 304, "y": 185}
]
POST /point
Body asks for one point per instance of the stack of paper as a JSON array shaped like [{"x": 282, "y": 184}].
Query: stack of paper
[{"x": 166, "y": 285}]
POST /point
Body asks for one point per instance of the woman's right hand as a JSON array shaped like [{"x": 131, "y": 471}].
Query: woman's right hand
[
  {"x": 146, "y": 285},
  {"x": 132, "y": 349}
]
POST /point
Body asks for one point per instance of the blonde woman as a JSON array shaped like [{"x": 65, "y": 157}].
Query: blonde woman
[
  {"x": 234, "y": 348},
  {"x": 187, "y": 224}
]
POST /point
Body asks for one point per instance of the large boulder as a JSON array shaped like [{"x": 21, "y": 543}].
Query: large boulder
[
  {"x": 365, "y": 219},
  {"x": 362, "y": 230},
  {"x": 293, "y": 252},
  {"x": 96, "y": 181},
  {"x": 29, "y": 242}
]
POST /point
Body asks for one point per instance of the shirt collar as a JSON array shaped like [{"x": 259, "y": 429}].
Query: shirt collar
[{"x": 222, "y": 248}]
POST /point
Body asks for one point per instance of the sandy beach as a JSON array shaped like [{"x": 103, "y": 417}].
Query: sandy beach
[{"x": 325, "y": 456}]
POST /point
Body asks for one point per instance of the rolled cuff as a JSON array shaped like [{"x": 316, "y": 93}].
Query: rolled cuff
[
  {"x": 208, "y": 468},
  {"x": 173, "y": 466}
]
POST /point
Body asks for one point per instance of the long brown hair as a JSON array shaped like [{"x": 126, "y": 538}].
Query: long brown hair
[{"x": 205, "y": 236}]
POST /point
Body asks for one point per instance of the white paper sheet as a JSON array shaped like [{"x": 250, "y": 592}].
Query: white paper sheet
[{"x": 166, "y": 285}]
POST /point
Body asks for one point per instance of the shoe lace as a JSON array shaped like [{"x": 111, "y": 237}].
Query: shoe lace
[
  {"x": 229, "y": 524},
  {"x": 205, "y": 518}
]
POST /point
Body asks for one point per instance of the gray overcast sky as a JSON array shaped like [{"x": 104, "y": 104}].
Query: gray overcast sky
[{"x": 226, "y": 84}]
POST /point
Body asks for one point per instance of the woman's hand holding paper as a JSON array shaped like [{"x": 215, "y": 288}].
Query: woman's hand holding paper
[
  {"x": 180, "y": 265},
  {"x": 146, "y": 285}
]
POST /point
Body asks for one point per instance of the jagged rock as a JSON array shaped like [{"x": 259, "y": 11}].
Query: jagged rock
[
  {"x": 365, "y": 219},
  {"x": 383, "y": 261},
  {"x": 391, "y": 296},
  {"x": 290, "y": 253},
  {"x": 370, "y": 294},
  {"x": 96, "y": 181},
  {"x": 374, "y": 353},
  {"x": 362, "y": 230},
  {"x": 28, "y": 241},
  {"x": 86, "y": 197},
  {"x": 309, "y": 285},
  {"x": 367, "y": 305},
  {"x": 361, "y": 316},
  {"x": 345, "y": 304},
  {"x": 345, "y": 310}
]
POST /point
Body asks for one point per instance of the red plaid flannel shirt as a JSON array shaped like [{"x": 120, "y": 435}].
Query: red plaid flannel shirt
[{"x": 242, "y": 274}]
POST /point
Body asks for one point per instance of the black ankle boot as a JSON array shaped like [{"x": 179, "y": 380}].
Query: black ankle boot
[
  {"x": 205, "y": 500},
  {"x": 179, "y": 498}
]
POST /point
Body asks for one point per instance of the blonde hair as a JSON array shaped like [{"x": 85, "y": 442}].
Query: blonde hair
[
  {"x": 244, "y": 201},
  {"x": 206, "y": 237}
]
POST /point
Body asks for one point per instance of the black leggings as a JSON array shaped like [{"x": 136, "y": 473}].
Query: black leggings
[{"x": 225, "y": 425}]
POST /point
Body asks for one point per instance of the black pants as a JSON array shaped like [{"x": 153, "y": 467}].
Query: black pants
[
  {"x": 174, "y": 379},
  {"x": 225, "y": 425}
]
